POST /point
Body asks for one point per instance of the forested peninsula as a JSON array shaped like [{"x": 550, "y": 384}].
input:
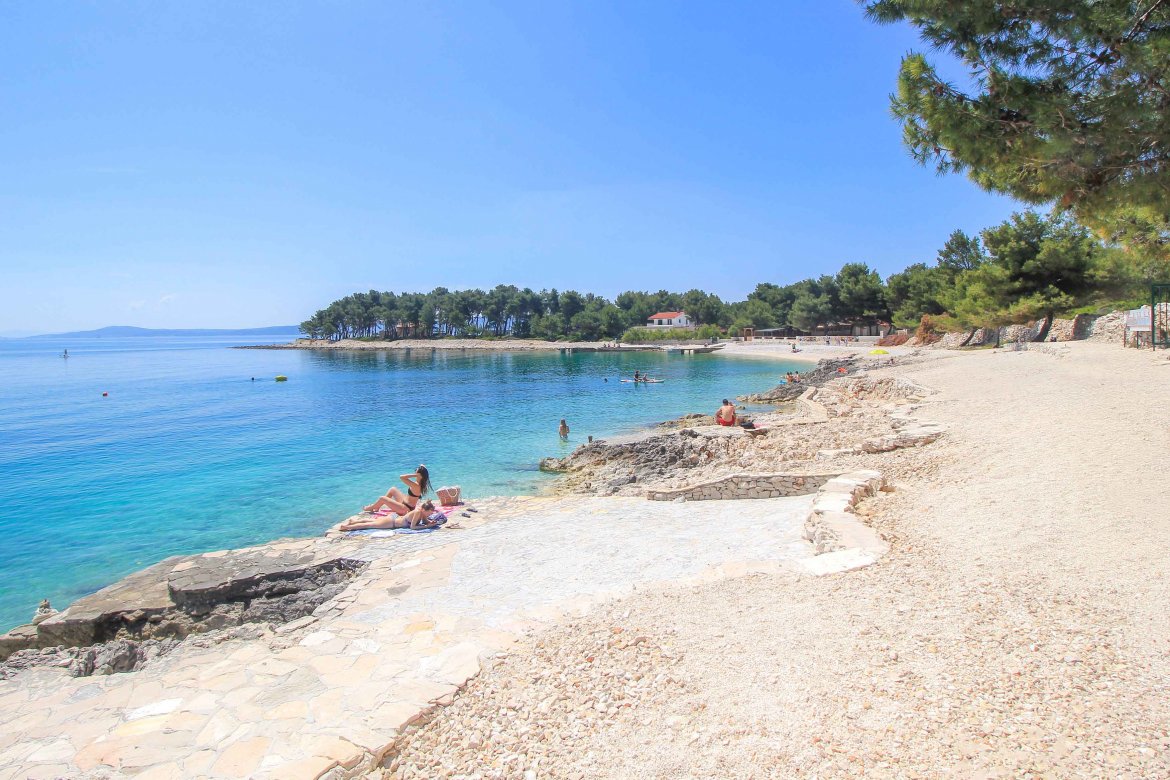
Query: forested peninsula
[{"x": 1032, "y": 267}]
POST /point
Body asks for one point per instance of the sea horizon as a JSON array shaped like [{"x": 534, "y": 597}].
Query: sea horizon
[{"x": 122, "y": 331}]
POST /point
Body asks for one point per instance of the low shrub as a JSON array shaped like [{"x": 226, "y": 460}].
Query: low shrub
[
  {"x": 709, "y": 332},
  {"x": 893, "y": 339},
  {"x": 928, "y": 330}
]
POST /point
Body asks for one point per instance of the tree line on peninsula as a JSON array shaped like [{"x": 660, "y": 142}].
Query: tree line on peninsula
[
  {"x": 1031, "y": 267},
  {"x": 1064, "y": 105}
]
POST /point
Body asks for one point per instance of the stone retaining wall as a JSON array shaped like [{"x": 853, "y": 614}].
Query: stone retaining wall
[
  {"x": 832, "y": 526},
  {"x": 745, "y": 486},
  {"x": 1082, "y": 326},
  {"x": 1108, "y": 327}
]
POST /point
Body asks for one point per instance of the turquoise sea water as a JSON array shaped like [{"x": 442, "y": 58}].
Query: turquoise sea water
[{"x": 188, "y": 454}]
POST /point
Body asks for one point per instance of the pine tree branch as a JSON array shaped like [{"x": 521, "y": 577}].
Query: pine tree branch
[{"x": 1141, "y": 20}]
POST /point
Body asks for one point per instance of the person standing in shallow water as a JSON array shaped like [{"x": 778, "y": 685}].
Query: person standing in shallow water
[{"x": 564, "y": 429}]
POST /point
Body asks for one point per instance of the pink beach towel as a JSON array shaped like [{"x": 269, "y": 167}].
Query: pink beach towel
[{"x": 446, "y": 510}]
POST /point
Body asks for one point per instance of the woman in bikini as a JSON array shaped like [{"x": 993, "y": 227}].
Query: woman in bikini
[
  {"x": 417, "y": 483},
  {"x": 419, "y": 517}
]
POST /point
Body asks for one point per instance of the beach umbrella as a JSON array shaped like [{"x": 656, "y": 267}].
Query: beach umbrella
[{"x": 878, "y": 352}]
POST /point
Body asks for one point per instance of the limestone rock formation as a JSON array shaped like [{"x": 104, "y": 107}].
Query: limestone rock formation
[
  {"x": 612, "y": 466},
  {"x": 185, "y": 595},
  {"x": 825, "y": 371}
]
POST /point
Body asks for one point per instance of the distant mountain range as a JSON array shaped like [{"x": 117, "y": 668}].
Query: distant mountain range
[{"x": 123, "y": 331}]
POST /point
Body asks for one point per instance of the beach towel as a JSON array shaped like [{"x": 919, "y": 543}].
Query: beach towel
[
  {"x": 382, "y": 533},
  {"x": 446, "y": 510}
]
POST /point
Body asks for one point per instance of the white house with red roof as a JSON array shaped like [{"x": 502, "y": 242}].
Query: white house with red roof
[{"x": 669, "y": 319}]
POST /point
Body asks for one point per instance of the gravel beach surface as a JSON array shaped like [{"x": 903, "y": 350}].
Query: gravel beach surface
[{"x": 1016, "y": 629}]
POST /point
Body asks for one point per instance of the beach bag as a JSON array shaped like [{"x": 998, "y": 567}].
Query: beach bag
[{"x": 448, "y": 496}]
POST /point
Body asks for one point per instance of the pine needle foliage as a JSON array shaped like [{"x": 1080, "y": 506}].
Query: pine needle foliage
[{"x": 1067, "y": 102}]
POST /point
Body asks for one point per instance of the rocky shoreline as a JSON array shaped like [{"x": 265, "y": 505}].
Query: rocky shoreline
[
  {"x": 148, "y": 613},
  {"x": 1011, "y": 628},
  {"x": 279, "y": 606},
  {"x": 866, "y": 416}
]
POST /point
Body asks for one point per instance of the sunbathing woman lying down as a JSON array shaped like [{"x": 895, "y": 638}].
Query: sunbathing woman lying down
[{"x": 419, "y": 517}]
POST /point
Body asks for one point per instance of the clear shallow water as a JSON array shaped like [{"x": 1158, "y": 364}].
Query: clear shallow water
[{"x": 187, "y": 454}]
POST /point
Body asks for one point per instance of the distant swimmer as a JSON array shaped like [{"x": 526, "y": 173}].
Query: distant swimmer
[
  {"x": 564, "y": 429},
  {"x": 65, "y": 354}
]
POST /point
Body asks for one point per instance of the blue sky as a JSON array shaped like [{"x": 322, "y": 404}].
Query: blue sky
[{"x": 174, "y": 164}]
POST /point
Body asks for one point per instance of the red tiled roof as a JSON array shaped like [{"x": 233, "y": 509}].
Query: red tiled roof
[{"x": 665, "y": 315}]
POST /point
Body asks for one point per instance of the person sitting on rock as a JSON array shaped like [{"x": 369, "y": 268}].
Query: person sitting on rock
[
  {"x": 726, "y": 414},
  {"x": 419, "y": 517},
  {"x": 417, "y": 483}
]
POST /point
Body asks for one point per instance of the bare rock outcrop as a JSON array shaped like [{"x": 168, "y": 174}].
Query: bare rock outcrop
[
  {"x": 120, "y": 655},
  {"x": 607, "y": 468},
  {"x": 844, "y": 416},
  {"x": 689, "y": 421},
  {"x": 825, "y": 371},
  {"x": 186, "y": 595}
]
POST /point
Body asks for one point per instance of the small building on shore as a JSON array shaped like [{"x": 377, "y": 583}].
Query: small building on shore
[{"x": 669, "y": 319}]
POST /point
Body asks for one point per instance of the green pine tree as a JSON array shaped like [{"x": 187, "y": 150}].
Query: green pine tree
[{"x": 1068, "y": 101}]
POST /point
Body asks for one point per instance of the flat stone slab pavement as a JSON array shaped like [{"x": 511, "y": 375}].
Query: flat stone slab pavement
[{"x": 328, "y": 694}]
